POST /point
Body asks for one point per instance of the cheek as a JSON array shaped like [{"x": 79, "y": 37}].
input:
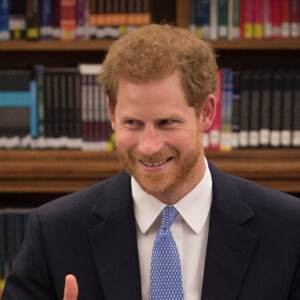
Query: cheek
[{"x": 125, "y": 140}]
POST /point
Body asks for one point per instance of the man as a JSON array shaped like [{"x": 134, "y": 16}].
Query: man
[{"x": 234, "y": 239}]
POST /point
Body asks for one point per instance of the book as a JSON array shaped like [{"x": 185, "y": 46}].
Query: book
[
  {"x": 236, "y": 97},
  {"x": 206, "y": 19},
  {"x": 248, "y": 24},
  {"x": 226, "y": 121},
  {"x": 215, "y": 129},
  {"x": 32, "y": 19},
  {"x": 295, "y": 19},
  {"x": 17, "y": 20},
  {"x": 287, "y": 102},
  {"x": 255, "y": 103},
  {"x": 213, "y": 16},
  {"x": 4, "y": 20},
  {"x": 276, "y": 19},
  {"x": 46, "y": 18},
  {"x": 276, "y": 108},
  {"x": 296, "y": 110},
  {"x": 67, "y": 19},
  {"x": 265, "y": 110},
  {"x": 258, "y": 19},
  {"x": 285, "y": 18},
  {"x": 267, "y": 18},
  {"x": 56, "y": 19},
  {"x": 233, "y": 19},
  {"x": 198, "y": 17},
  {"x": 245, "y": 86},
  {"x": 222, "y": 19}
]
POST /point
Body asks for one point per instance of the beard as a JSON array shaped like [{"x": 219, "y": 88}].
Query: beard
[{"x": 156, "y": 183}]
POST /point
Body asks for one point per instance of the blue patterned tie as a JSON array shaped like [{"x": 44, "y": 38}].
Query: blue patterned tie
[{"x": 166, "y": 281}]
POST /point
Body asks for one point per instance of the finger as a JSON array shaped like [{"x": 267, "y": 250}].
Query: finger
[{"x": 71, "y": 288}]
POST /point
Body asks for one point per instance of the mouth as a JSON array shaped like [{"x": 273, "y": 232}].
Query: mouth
[{"x": 155, "y": 164}]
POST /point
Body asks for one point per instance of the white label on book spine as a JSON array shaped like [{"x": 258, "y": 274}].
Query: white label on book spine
[
  {"x": 214, "y": 137},
  {"x": 296, "y": 138},
  {"x": 294, "y": 29},
  {"x": 254, "y": 138},
  {"x": 275, "y": 138},
  {"x": 286, "y": 137},
  {"x": 264, "y": 137},
  {"x": 243, "y": 138},
  {"x": 285, "y": 30}
]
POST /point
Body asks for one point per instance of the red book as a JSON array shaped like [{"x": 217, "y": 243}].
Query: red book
[
  {"x": 267, "y": 17},
  {"x": 248, "y": 19},
  {"x": 67, "y": 19},
  {"x": 285, "y": 18},
  {"x": 276, "y": 19},
  {"x": 215, "y": 129},
  {"x": 295, "y": 18},
  {"x": 258, "y": 19}
]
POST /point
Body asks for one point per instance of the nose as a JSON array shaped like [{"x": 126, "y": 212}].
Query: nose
[{"x": 150, "y": 141}]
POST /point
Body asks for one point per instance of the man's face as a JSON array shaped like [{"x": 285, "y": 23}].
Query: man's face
[{"x": 158, "y": 136}]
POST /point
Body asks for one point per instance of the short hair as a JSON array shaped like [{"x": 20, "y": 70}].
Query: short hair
[{"x": 157, "y": 51}]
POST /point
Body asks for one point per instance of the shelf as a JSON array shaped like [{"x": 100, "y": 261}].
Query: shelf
[
  {"x": 65, "y": 171},
  {"x": 103, "y": 45}
]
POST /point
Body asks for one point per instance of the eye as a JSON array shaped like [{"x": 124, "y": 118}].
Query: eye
[
  {"x": 166, "y": 122},
  {"x": 133, "y": 123}
]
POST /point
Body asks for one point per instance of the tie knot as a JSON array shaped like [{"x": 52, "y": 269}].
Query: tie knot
[{"x": 169, "y": 214}]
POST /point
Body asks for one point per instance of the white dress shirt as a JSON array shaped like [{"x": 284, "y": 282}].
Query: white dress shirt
[{"x": 189, "y": 230}]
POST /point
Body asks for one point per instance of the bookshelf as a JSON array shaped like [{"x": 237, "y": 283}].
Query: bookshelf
[{"x": 65, "y": 171}]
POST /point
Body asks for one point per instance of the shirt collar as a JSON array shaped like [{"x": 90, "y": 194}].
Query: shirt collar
[{"x": 194, "y": 207}]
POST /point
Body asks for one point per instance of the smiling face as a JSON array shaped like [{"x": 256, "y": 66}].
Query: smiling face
[{"x": 158, "y": 136}]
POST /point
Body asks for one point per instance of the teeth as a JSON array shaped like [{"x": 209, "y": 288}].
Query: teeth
[{"x": 154, "y": 164}]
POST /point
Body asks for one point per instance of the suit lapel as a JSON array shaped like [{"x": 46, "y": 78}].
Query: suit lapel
[
  {"x": 113, "y": 242},
  {"x": 230, "y": 245}
]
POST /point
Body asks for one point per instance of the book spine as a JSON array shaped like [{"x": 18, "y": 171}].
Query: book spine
[
  {"x": 234, "y": 19},
  {"x": 84, "y": 119},
  {"x": 236, "y": 97},
  {"x": 285, "y": 18},
  {"x": 296, "y": 111},
  {"x": 33, "y": 110},
  {"x": 226, "y": 121},
  {"x": 80, "y": 20},
  {"x": 46, "y": 16},
  {"x": 276, "y": 120},
  {"x": 267, "y": 18},
  {"x": 78, "y": 120},
  {"x": 63, "y": 107},
  {"x": 242, "y": 18},
  {"x": 244, "y": 109},
  {"x": 258, "y": 19},
  {"x": 265, "y": 111},
  {"x": 248, "y": 19},
  {"x": 56, "y": 19},
  {"x": 255, "y": 103},
  {"x": 213, "y": 19},
  {"x": 40, "y": 78},
  {"x": 215, "y": 130},
  {"x": 287, "y": 99},
  {"x": 32, "y": 20},
  {"x": 223, "y": 19},
  {"x": 295, "y": 19},
  {"x": 206, "y": 19},
  {"x": 67, "y": 19},
  {"x": 17, "y": 20},
  {"x": 276, "y": 18},
  {"x": 4, "y": 20},
  {"x": 48, "y": 106},
  {"x": 198, "y": 18}
]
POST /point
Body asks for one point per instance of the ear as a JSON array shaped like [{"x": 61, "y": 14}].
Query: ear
[
  {"x": 208, "y": 112},
  {"x": 111, "y": 115}
]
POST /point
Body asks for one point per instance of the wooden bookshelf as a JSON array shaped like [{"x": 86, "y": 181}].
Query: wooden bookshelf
[
  {"x": 103, "y": 45},
  {"x": 65, "y": 171}
]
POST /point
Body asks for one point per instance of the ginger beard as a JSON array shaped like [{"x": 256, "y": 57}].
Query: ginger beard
[{"x": 157, "y": 183}]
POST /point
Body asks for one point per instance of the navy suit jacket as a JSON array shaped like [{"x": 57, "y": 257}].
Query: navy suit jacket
[{"x": 253, "y": 249}]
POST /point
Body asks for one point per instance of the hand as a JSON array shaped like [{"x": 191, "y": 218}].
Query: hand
[{"x": 71, "y": 288}]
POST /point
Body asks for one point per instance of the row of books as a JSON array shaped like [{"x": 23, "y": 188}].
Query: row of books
[
  {"x": 66, "y": 108},
  {"x": 256, "y": 109},
  {"x": 54, "y": 108},
  {"x": 71, "y": 19},
  {"x": 245, "y": 19},
  {"x": 12, "y": 231}
]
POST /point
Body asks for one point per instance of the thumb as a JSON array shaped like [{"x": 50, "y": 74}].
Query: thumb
[{"x": 71, "y": 288}]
